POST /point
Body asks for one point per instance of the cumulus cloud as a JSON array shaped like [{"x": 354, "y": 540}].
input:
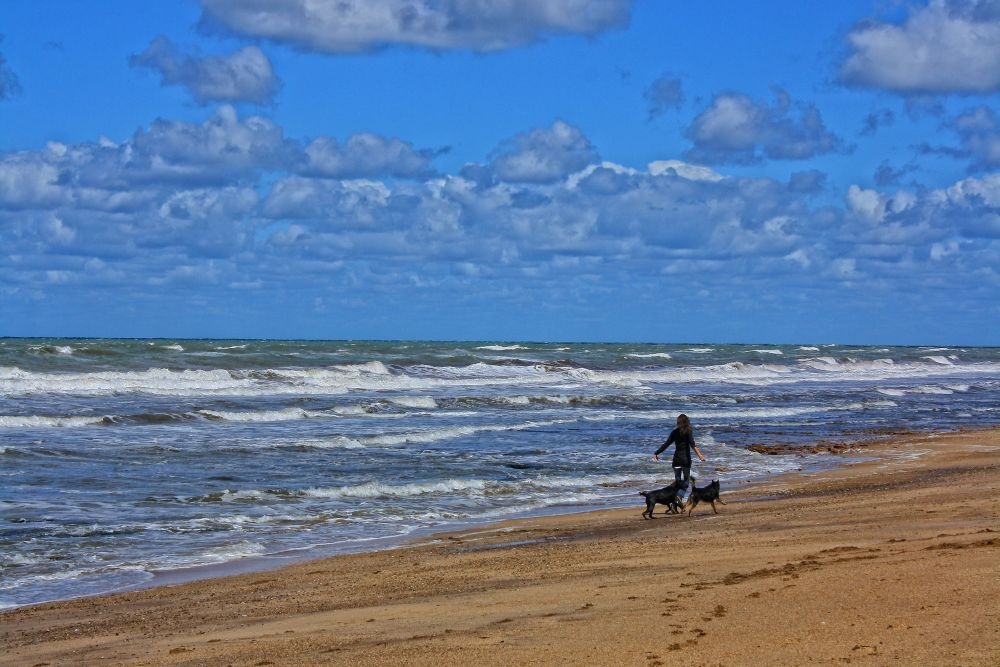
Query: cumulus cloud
[
  {"x": 9, "y": 83},
  {"x": 364, "y": 155},
  {"x": 203, "y": 205},
  {"x": 543, "y": 155},
  {"x": 221, "y": 149},
  {"x": 663, "y": 95},
  {"x": 735, "y": 129},
  {"x": 948, "y": 46},
  {"x": 341, "y": 203},
  {"x": 29, "y": 179},
  {"x": 979, "y": 130},
  {"x": 972, "y": 206},
  {"x": 243, "y": 76},
  {"x": 224, "y": 150},
  {"x": 231, "y": 202},
  {"x": 352, "y": 26},
  {"x": 685, "y": 170}
]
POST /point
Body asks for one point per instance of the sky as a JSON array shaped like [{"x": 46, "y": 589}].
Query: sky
[{"x": 519, "y": 170}]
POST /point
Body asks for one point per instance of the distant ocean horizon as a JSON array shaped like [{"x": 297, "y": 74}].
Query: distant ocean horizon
[{"x": 130, "y": 462}]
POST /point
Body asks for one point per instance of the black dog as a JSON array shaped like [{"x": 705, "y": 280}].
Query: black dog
[
  {"x": 708, "y": 494},
  {"x": 665, "y": 496}
]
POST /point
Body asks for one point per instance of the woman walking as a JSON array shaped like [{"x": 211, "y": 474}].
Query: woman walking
[{"x": 683, "y": 441}]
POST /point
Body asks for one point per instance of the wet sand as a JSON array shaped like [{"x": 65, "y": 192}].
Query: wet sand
[{"x": 892, "y": 561}]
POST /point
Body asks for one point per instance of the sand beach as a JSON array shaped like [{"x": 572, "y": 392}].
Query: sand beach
[{"x": 891, "y": 561}]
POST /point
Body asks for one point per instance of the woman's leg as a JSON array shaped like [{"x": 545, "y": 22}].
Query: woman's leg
[{"x": 682, "y": 477}]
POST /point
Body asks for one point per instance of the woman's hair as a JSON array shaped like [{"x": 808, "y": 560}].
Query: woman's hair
[{"x": 684, "y": 424}]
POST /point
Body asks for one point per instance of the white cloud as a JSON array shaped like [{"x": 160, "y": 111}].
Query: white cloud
[
  {"x": 222, "y": 148},
  {"x": 243, "y": 76},
  {"x": 875, "y": 207},
  {"x": 209, "y": 204},
  {"x": 614, "y": 175},
  {"x": 58, "y": 233},
  {"x": 971, "y": 192},
  {"x": 350, "y": 26},
  {"x": 226, "y": 202},
  {"x": 940, "y": 251},
  {"x": 543, "y": 155},
  {"x": 340, "y": 203},
  {"x": 949, "y": 46},
  {"x": 692, "y": 172},
  {"x": 845, "y": 269},
  {"x": 28, "y": 180},
  {"x": 799, "y": 257},
  {"x": 736, "y": 129},
  {"x": 980, "y": 133},
  {"x": 364, "y": 155}
]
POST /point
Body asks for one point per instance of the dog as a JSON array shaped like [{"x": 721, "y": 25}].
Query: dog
[
  {"x": 665, "y": 496},
  {"x": 708, "y": 494}
]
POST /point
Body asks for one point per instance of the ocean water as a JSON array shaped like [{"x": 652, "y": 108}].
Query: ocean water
[{"x": 126, "y": 463}]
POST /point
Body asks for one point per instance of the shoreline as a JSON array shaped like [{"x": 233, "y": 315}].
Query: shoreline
[
  {"x": 892, "y": 557},
  {"x": 263, "y": 563}
]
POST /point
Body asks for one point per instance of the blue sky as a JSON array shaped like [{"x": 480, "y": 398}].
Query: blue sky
[{"x": 548, "y": 170}]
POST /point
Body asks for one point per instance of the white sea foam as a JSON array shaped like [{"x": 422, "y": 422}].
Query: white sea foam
[
  {"x": 425, "y": 402},
  {"x": 937, "y": 390},
  {"x": 38, "y": 421},
  {"x": 944, "y": 361},
  {"x": 381, "y": 490},
  {"x": 57, "y": 349},
  {"x": 261, "y": 415},
  {"x": 933, "y": 390},
  {"x": 416, "y": 382},
  {"x": 227, "y": 553},
  {"x": 240, "y": 496},
  {"x": 517, "y": 400},
  {"x": 15, "y": 559},
  {"x": 447, "y": 433},
  {"x": 333, "y": 442},
  {"x": 820, "y": 362}
]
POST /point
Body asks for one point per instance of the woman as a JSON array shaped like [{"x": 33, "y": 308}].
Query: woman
[{"x": 683, "y": 441}]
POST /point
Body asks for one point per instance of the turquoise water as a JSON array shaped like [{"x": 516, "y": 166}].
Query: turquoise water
[{"x": 124, "y": 462}]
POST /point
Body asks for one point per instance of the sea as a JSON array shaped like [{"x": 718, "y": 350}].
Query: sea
[{"x": 132, "y": 463}]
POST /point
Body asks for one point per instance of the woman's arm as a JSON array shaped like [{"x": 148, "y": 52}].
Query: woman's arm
[{"x": 669, "y": 441}]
